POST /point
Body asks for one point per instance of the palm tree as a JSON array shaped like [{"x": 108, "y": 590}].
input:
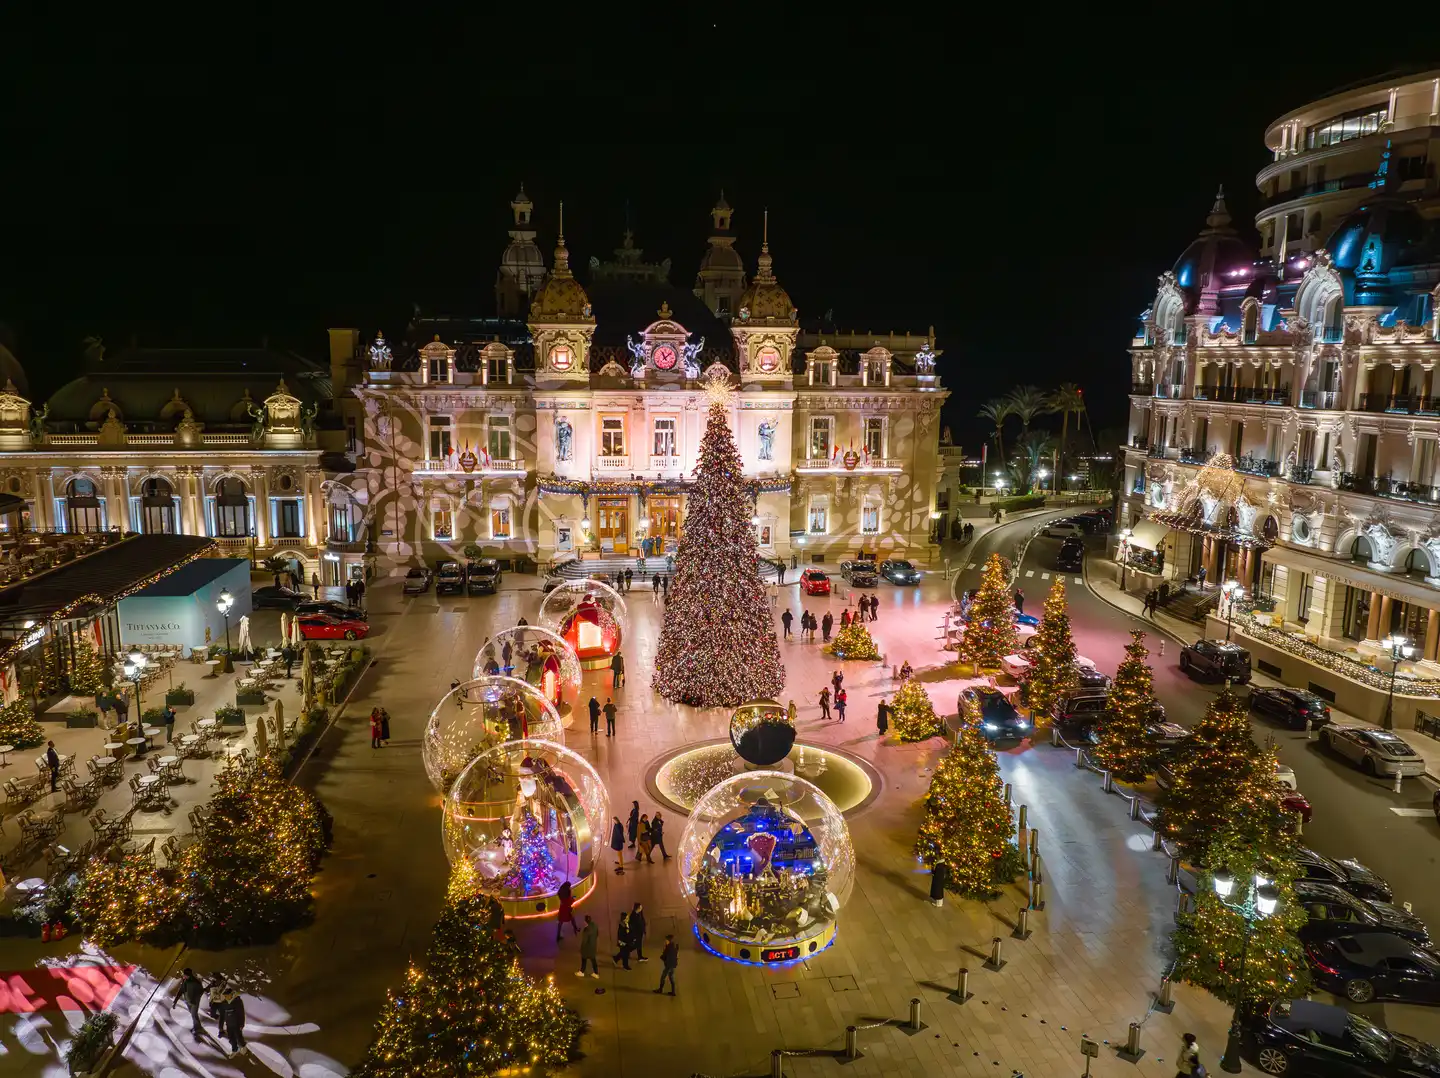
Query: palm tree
[
  {"x": 1031, "y": 454},
  {"x": 1026, "y": 402},
  {"x": 1065, "y": 400},
  {"x": 997, "y": 411}
]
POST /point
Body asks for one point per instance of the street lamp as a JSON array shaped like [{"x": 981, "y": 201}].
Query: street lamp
[
  {"x": 1231, "y": 591},
  {"x": 223, "y": 604},
  {"x": 1124, "y": 555},
  {"x": 1399, "y": 649},
  {"x": 1258, "y": 902},
  {"x": 134, "y": 671},
  {"x": 1043, "y": 474}
]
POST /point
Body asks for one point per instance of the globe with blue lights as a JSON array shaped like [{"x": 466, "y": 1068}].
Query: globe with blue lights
[{"x": 766, "y": 863}]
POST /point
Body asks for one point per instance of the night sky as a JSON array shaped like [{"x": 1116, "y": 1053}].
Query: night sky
[{"x": 213, "y": 183}]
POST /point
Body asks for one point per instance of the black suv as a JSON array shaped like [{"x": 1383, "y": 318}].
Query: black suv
[
  {"x": 1291, "y": 706},
  {"x": 1345, "y": 873},
  {"x": 1216, "y": 659},
  {"x": 1072, "y": 555},
  {"x": 449, "y": 579},
  {"x": 482, "y": 577}
]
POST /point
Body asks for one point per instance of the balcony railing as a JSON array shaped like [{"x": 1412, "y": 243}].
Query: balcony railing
[
  {"x": 1142, "y": 389},
  {"x": 1302, "y": 473},
  {"x": 837, "y": 464},
  {"x": 1253, "y": 465},
  {"x": 665, "y": 464},
  {"x": 1195, "y": 456},
  {"x": 1170, "y": 392},
  {"x": 1405, "y": 403},
  {"x": 613, "y": 463},
  {"x": 1319, "y": 398},
  {"x": 447, "y": 466},
  {"x": 1243, "y": 394},
  {"x": 1388, "y": 487},
  {"x": 1139, "y": 443},
  {"x": 1157, "y": 451}
]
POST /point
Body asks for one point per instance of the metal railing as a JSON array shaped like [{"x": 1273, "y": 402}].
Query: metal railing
[
  {"x": 1243, "y": 394},
  {"x": 1319, "y": 398},
  {"x": 1253, "y": 465},
  {"x": 1386, "y": 487},
  {"x": 1407, "y": 403},
  {"x": 1142, "y": 389}
]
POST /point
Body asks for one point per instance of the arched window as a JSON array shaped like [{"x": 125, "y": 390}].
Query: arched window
[
  {"x": 1417, "y": 565},
  {"x": 83, "y": 512},
  {"x": 232, "y": 508},
  {"x": 1250, "y": 324},
  {"x": 1360, "y": 550},
  {"x": 157, "y": 508},
  {"x": 1334, "y": 320},
  {"x": 1270, "y": 530}
]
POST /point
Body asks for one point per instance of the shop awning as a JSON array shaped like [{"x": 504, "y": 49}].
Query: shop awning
[{"x": 1149, "y": 534}]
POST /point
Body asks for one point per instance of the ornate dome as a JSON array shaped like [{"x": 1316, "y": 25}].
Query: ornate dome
[
  {"x": 561, "y": 298},
  {"x": 1206, "y": 265},
  {"x": 1377, "y": 236},
  {"x": 765, "y": 301}
]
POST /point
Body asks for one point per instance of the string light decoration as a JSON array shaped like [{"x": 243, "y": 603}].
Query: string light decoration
[
  {"x": 1124, "y": 747},
  {"x": 18, "y": 726},
  {"x": 87, "y": 671},
  {"x": 127, "y": 899},
  {"x": 855, "y": 642},
  {"x": 1052, "y": 675},
  {"x": 718, "y": 645},
  {"x": 912, "y": 715},
  {"x": 1363, "y": 672},
  {"x": 471, "y": 1010},
  {"x": 990, "y": 631},
  {"x": 968, "y": 825}
]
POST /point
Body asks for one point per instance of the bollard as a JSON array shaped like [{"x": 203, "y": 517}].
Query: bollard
[
  {"x": 1166, "y": 1000},
  {"x": 1007, "y": 793},
  {"x": 995, "y": 961},
  {"x": 1022, "y": 925},
  {"x": 1055, "y": 736},
  {"x": 1158, "y": 842},
  {"x": 1134, "y": 808},
  {"x": 962, "y": 987},
  {"x": 852, "y": 1046},
  {"x": 1080, "y": 758},
  {"x": 1132, "y": 1051},
  {"x": 1037, "y": 895},
  {"x": 777, "y": 1063},
  {"x": 1107, "y": 782},
  {"x": 914, "y": 1026},
  {"x": 1396, "y": 787},
  {"x": 1021, "y": 829},
  {"x": 1309, "y": 729},
  {"x": 1173, "y": 876}
]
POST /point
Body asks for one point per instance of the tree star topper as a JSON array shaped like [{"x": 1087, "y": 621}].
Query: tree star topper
[{"x": 719, "y": 390}]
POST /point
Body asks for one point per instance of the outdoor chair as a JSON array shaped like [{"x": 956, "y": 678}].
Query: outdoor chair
[
  {"x": 23, "y": 791},
  {"x": 170, "y": 850}
]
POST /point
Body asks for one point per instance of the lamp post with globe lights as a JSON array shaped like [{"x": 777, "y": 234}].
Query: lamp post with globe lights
[
  {"x": 224, "y": 605},
  {"x": 1124, "y": 555},
  {"x": 1399, "y": 648},
  {"x": 1231, "y": 591},
  {"x": 1259, "y": 900},
  {"x": 134, "y": 671}
]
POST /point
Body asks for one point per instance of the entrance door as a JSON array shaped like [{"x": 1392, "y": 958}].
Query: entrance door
[
  {"x": 614, "y": 522},
  {"x": 665, "y": 518}
]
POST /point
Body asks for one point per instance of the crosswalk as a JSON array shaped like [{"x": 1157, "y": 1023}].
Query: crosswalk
[{"x": 1031, "y": 573}]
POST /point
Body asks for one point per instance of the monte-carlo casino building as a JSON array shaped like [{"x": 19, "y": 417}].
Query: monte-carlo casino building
[
  {"x": 1303, "y": 373},
  {"x": 570, "y": 422}
]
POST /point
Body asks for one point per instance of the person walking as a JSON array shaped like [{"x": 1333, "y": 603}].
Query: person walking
[
  {"x": 646, "y": 843},
  {"x": 669, "y": 959},
  {"x": 566, "y": 913},
  {"x": 657, "y": 837},
  {"x": 234, "y": 1021},
  {"x": 384, "y": 725},
  {"x": 609, "y": 710},
  {"x": 939, "y": 877},
  {"x": 192, "y": 990},
  {"x": 589, "y": 947},
  {"x": 637, "y": 931},
  {"x": 622, "y": 936},
  {"x": 52, "y": 761},
  {"x": 837, "y": 679},
  {"x": 828, "y": 622},
  {"x": 844, "y": 620},
  {"x": 882, "y": 717},
  {"x": 169, "y": 721},
  {"x": 1188, "y": 1062},
  {"x": 315, "y": 583},
  {"x": 1019, "y": 601},
  {"x": 825, "y": 703},
  {"x": 840, "y": 698},
  {"x": 594, "y": 715},
  {"x": 360, "y": 594},
  {"x": 122, "y": 707},
  {"x": 785, "y": 620},
  {"x": 634, "y": 822},
  {"x": 617, "y": 843},
  {"x": 375, "y": 728},
  {"x": 792, "y": 713},
  {"x": 874, "y": 608},
  {"x": 629, "y": 578},
  {"x": 617, "y": 670},
  {"x": 654, "y": 587}
]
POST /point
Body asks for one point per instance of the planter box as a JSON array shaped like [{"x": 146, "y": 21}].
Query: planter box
[
  {"x": 179, "y": 696},
  {"x": 78, "y": 721},
  {"x": 236, "y": 720},
  {"x": 256, "y": 696}
]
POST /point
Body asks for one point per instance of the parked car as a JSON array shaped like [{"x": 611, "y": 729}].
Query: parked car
[
  {"x": 1300, "y": 1036},
  {"x": 899, "y": 571},
  {"x": 992, "y": 711},
  {"x": 1063, "y": 529},
  {"x": 1071, "y": 558},
  {"x": 417, "y": 581},
  {"x": 1075, "y": 716},
  {"x": 326, "y": 627},
  {"x": 815, "y": 582},
  {"x": 1216, "y": 659},
  {"x": 482, "y": 577},
  {"x": 861, "y": 573},
  {"x": 332, "y": 607},
  {"x": 1334, "y": 911},
  {"x": 1375, "y": 965},
  {"x": 1375, "y": 752},
  {"x": 449, "y": 578},
  {"x": 1292, "y": 706},
  {"x": 275, "y": 598},
  {"x": 1346, "y": 873},
  {"x": 1296, "y": 802}
]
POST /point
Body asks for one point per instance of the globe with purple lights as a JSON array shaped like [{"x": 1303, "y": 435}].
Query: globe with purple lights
[{"x": 761, "y": 732}]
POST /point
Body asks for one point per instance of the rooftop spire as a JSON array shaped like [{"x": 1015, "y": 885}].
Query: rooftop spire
[
  {"x": 562, "y": 256},
  {"x": 763, "y": 271},
  {"x": 1219, "y": 217}
]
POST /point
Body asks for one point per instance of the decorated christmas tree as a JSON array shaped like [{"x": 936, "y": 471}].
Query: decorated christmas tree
[
  {"x": 855, "y": 642},
  {"x": 532, "y": 864},
  {"x": 912, "y": 715},
  {"x": 967, "y": 823},
  {"x": 1222, "y": 774},
  {"x": 1124, "y": 747},
  {"x": 1209, "y": 941},
  {"x": 471, "y": 1010},
  {"x": 718, "y": 646},
  {"x": 18, "y": 726},
  {"x": 1052, "y": 671},
  {"x": 990, "y": 630},
  {"x": 87, "y": 671}
]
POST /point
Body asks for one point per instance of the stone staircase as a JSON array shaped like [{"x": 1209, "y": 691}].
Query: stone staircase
[
  {"x": 1192, "y": 605},
  {"x": 609, "y": 565}
]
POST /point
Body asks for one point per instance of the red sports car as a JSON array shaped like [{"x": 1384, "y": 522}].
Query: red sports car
[
  {"x": 815, "y": 582},
  {"x": 328, "y": 627}
]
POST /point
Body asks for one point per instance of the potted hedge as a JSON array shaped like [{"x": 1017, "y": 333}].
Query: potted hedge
[
  {"x": 82, "y": 718},
  {"x": 229, "y": 716},
  {"x": 180, "y": 695},
  {"x": 252, "y": 695},
  {"x": 92, "y": 1040}
]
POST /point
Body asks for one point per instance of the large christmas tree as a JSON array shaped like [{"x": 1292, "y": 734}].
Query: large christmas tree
[
  {"x": 912, "y": 714},
  {"x": 18, "y": 726},
  {"x": 1052, "y": 671},
  {"x": 718, "y": 646},
  {"x": 1222, "y": 774},
  {"x": 472, "y": 1011},
  {"x": 1124, "y": 747},
  {"x": 968, "y": 824},
  {"x": 990, "y": 630}
]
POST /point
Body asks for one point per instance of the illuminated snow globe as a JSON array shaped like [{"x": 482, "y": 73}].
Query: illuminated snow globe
[
  {"x": 528, "y": 816},
  {"x": 761, "y": 732},
  {"x": 590, "y": 616},
  {"x": 478, "y": 714},
  {"x": 766, "y": 863},
  {"x": 537, "y": 656}
]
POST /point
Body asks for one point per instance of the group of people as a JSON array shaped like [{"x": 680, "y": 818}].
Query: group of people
[
  {"x": 379, "y": 727},
  {"x": 609, "y": 711},
  {"x": 227, "y": 1007},
  {"x": 840, "y": 697},
  {"x": 809, "y": 624},
  {"x": 646, "y": 836},
  {"x": 355, "y": 593}
]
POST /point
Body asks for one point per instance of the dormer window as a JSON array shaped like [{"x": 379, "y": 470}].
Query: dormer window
[
  {"x": 822, "y": 372},
  {"x": 497, "y": 370},
  {"x": 877, "y": 371},
  {"x": 437, "y": 363}
]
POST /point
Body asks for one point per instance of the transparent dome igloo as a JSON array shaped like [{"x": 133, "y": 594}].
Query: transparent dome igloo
[
  {"x": 761, "y": 732},
  {"x": 590, "y": 616},
  {"x": 766, "y": 863},
  {"x": 528, "y": 816},
  {"x": 479, "y": 713},
  {"x": 537, "y": 656}
]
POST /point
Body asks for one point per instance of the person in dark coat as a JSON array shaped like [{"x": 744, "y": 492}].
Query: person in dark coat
[
  {"x": 315, "y": 583},
  {"x": 626, "y": 944},
  {"x": 288, "y": 654},
  {"x": 52, "y": 761},
  {"x": 939, "y": 877},
  {"x": 233, "y": 1019},
  {"x": 617, "y": 670},
  {"x": 1019, "y": 601},
  {"x": 609, "y": 710},
  {"x": 825, "y": 702},
  {"x": 589, "y": 947},
  {"x": 617, "y": 843},
  {"x": 882, "y": 717},
  {"x": 785, "y": 620},
  {"x": 669, "y": 959},
  {"x": 874, "y": 608},
  {"x": 192, "y": 990},
  {"x": 657, "y": 836},
  {"x": 844, "y": 620},
  {"x": 384, "y": 725},
  {"x": 566, "y": 913},
  {"x": 837, "y": 679},
  {"x": 594, "y": 715},
  {"x": 828, "y": 622},
  {"x": 637, "y": 931},
  {"x": 634, "y": 822}
]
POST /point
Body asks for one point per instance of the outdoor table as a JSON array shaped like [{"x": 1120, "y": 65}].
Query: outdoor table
[
  {"x": 169, "y": 761},
  {"x": 208, "y": 724},
  {"x": 151, "y": 733},
  {"x": 190, "y": 739},
  {"x": 115, "y": 748},
  {"x": 139, "y": 745},
  {"x": 5, "y": 751},
  {"x": 30, "y": 886}
]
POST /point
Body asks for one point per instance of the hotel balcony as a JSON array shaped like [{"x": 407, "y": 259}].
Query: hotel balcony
[
  {"x": 444, "y": 466},
  {"x": 613, "y": 464},
  {"x": 1319, "y": 398},
  {"x": 1243, "y": 394},
  {"x": 837, "y": 466},
  {"x": 666, "y": 464},
  {"x": 170, "y": 440}
]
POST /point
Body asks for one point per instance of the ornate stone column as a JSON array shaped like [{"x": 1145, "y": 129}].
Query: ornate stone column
[
  {"x": 313, "y": 505},
  {"x": 117, "y": 506},
  {"x": 1432, "y": 636},
  {"x": 260, "y": 485}
]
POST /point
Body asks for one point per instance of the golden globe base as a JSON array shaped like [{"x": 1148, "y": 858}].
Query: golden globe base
[
  {"x": 529, "y": 909},
  {"x": 777, "y": 953}
]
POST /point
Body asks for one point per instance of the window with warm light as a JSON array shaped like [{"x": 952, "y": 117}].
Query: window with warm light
[
  {"x": 822, "y": 430},
  {"x": 497, "y": 370},
  {"x": 822, "y": 372},
  {"x": 438, "y": 366},
  {"x": 875, "y": 435},
  {"x": 819, "y": 518},
  {"x": 499, "y": 437},
  {"x": 500, "y": 522},
  {"x": 612, "y": 436},
  {"x": 83, "y": 506},
  {"x": 870, "y": 519},
  {"x": 665, "y": 442},
  {"x": 442, "y": 521},
  {"x": 439, "y": 437},
  {"x": 232, "y": 508}
]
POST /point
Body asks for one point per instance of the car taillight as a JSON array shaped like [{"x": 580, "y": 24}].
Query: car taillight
[{"x": 1315, "y": 961}]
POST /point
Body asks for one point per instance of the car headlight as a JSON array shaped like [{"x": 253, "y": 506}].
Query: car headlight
[
  {"x": 991, "y": 727},
  {"x": 1022, "y": 724}
]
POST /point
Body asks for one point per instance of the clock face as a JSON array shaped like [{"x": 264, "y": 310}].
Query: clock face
[
  {"x": 664, "y": 357},
  {"x": 768, "y": 360},
  {"x": 561, "y": 357}
]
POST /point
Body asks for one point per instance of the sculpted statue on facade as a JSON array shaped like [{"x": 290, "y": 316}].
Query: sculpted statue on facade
[
  {"x": 261, "y": 420},
  {"x": 37, "y": 423},
  {"x": 564, "y": 433},
  {"x": 381, "y": 357},
  {"x": 766, "y": 431},
  {"x": 691, "y": 353},
  {"x": 637, "y": 356}
]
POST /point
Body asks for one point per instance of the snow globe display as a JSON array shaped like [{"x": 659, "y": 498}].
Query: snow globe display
[
  {"x": 528, "y": 816},
  {"x": 761, "y": 732},
  {"x": 478, "y": 714},
  {"x": 590, "y": 616},
  {"x": 537, "y": 656},
  {"x": 766, "y": 863}
]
